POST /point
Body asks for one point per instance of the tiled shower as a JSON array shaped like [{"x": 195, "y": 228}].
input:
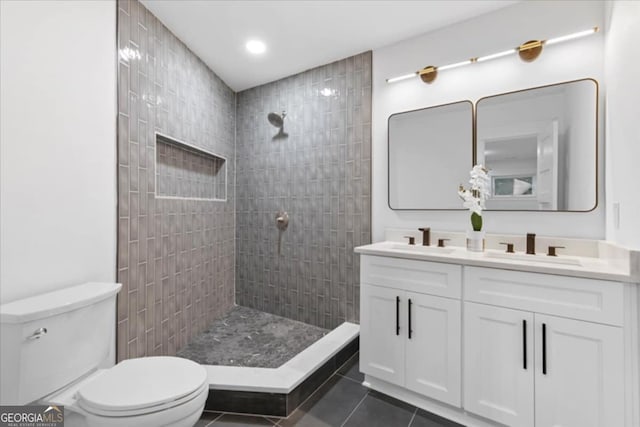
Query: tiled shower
[
  {"x": 198, "y": 193},
  {"x": 321, "y": 176}
]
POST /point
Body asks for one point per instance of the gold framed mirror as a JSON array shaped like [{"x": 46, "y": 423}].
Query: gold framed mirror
[{"x": 540, "y": 146}]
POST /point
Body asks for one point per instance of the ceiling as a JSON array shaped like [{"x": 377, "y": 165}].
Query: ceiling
[
  {"x": 516, "y": 148},
  {"x": 300, "y": 34}
]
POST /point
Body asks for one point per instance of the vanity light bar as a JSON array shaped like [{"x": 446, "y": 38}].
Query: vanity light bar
[
  {"x": 456, "y": 65},
  {"x": 496, "y": 55},
  {"x": 528, "y": 51},
  {"x": 572, "y": 36},
  {"x": 400, "y": 78}
]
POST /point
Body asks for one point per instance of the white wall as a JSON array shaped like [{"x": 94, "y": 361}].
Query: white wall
[
  {"x": 483, "y": 35},
  {"x": 623, "y": 133},
  {"x": 58, "y": 180}
]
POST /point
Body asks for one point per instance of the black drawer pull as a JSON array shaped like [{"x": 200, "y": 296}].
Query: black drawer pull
[
  {"x": 544, "y": 349},
  {"x": 524, "y": 344},
  {"x": 397, "y": 315},
  {"x": 409, "y": 311}
]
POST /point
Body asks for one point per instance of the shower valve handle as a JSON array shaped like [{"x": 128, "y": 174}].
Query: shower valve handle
[{"x": 282, "y": 220}]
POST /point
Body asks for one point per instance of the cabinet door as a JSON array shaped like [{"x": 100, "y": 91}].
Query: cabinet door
[
  {"x": 433, "y": 348},
  {"x": 579, "y": 373},
  {"x": 382, "y": 333},
  {"x": 498, "y": 364}
]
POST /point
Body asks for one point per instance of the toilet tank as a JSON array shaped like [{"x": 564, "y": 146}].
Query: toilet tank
[{"x": 53, "y": 339}]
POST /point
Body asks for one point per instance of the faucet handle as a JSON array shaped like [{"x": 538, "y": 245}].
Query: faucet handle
[
  {"x": 552, "y": 250},
  {"x": 509, "y": 247},
  {"x": 441, "y": 242},
  {"x": 412, "y": 240},
  {"x": 423, "y": 229}
]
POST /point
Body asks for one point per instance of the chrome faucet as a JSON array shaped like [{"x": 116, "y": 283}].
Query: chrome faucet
[
  {"x": 531, "y": 244},
  {"x": 426, "y": 236}
]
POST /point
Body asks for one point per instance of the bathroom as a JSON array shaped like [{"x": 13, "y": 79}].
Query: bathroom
[{"x": 230, "y": 217}]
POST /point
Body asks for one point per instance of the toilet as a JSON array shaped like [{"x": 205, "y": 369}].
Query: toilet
[{"x": 57, "y": 349}]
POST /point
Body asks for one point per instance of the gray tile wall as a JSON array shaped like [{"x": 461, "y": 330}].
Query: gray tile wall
[
  {"x": 321, "y": 175},
  {"x": 175, "y": 257}
]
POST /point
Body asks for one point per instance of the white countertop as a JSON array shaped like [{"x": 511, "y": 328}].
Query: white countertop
[{"x": 575, "y": 266}]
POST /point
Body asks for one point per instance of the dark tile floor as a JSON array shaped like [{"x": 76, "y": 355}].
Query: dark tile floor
[{"x": 341, "y": 401}]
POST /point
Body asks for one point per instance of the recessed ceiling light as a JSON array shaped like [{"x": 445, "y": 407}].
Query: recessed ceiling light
[{"x": 256, "y": 46}]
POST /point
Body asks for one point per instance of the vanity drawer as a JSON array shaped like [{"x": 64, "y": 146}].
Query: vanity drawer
[
  {"x": 423, "y": 277},
  {"x": 585, "y": 299}
]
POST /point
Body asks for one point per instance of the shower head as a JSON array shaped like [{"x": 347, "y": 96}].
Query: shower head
[{"x": 277, "y": 120}]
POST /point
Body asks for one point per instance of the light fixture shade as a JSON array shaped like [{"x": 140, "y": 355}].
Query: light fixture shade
[
  {"x": 428, "y": 74},
  {"x": 530, "y": 50}
]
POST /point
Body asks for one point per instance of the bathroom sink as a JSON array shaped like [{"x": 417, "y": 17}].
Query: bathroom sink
[
  {"x": 422, "y": 249},
  {"x": 542, "y": 259}
]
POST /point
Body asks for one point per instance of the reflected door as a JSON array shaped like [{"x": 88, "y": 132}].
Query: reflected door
[{"x": 548, "y": 168}]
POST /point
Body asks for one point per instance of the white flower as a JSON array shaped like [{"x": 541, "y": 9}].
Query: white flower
[
  {"x": 474, "y": 199},
  {"x": 470, "y": 202}
]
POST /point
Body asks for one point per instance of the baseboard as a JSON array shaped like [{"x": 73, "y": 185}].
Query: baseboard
[{"x": 457, "y": 415}]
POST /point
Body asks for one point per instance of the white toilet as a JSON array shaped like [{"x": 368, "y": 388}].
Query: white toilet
[{"x": 56, "y": 349}]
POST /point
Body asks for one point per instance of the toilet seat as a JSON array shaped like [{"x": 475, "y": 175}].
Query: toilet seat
[{"x": 142, "y": 386}]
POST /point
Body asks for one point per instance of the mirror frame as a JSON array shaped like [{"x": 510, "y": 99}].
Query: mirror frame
[
  {"x": 473, "y": 153},
  {"x": 596, "y": 148}
]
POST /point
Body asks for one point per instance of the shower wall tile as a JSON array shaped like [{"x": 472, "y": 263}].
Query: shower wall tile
[
  {"x": 176, "y": 258},
  {"x": 321, "y": 175}
]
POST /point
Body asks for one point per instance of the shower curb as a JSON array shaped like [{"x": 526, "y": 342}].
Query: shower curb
[{"x": 298, "y": 378}]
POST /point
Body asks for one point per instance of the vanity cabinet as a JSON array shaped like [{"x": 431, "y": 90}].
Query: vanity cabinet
[
  {"x": 488, "y": 346},
  {"x": 407, "y": 338},
  {"x": 432, "y": 354},
  {"x": 498, "y": 364},
  {"x": 381, "y": 342},
  {"x": 583, "y": 383},
  {"x": 525, "y": 368}
]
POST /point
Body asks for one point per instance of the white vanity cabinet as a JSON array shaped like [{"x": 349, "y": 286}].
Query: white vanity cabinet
[
  {"x": 498, "y": 364},
  {"x": 382, "y": 338},
  {"x": 488, "y": 346},
  {"x": 408, "y": 337},
  {"x": 583, "y": 383},
  {"x": 529, "y": 368}
]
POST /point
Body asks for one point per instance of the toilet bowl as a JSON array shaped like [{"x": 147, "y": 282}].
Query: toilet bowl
[
  {"x": 57, "y": 349},
  {"x": 144, "y": 392}
]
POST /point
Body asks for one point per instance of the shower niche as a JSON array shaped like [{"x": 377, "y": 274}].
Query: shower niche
[{"x": 184, "y": 171}]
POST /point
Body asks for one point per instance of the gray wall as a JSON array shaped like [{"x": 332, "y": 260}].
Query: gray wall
[
  {"x": 320, "y": 175},
  {"x": 175, "y": 257}
]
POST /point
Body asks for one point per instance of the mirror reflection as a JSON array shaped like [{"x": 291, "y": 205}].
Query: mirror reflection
[
  {"x": 430, "y": 154},
  {"x": 540, "y": 146}
]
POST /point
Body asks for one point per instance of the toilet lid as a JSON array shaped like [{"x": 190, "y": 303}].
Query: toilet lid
[{"x": 138, "y": 384}]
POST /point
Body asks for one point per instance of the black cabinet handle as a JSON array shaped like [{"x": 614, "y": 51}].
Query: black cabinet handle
[
  {"x": 544, "y": 349},
  {"x": 397, "y": 315},
  {"x": 524, "y": 345},
  {"x": 409, "y": 311}
]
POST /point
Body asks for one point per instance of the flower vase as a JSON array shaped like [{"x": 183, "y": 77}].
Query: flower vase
[{"x": 475, "y": 241}]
